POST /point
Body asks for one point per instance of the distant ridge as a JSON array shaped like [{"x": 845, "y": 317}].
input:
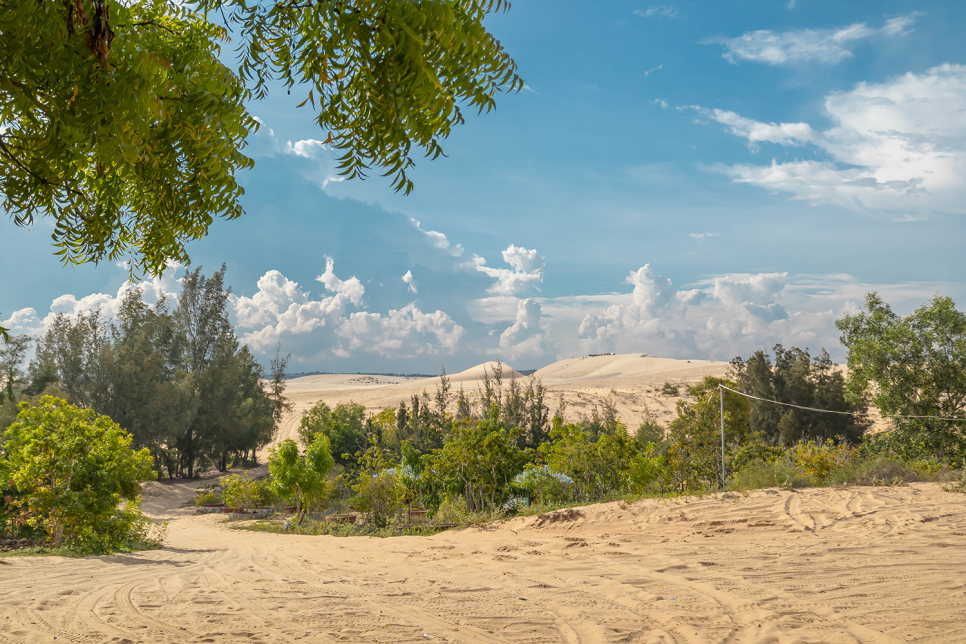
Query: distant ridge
[{"x": 302, "y": 374}]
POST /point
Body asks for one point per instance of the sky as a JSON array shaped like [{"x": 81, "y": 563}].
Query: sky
[{"x": 688, "y": 180}]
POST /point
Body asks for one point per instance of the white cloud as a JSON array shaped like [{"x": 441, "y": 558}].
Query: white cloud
[
  {"x": 410, "y": 281},
  {"x": 827, "y": 46},
  {"x": 525, "y": 336},
  {"x": 790, "y": 5},
  {"x": 653, "y": 69},
  {"x": 897, "y": 146},
  {"x": 525, "y": 272},
  {"x": 661, "y": 102},
  {"x": 702, "y": 236},
  {"x": 280, "y": 310},
  {"x": 660, "y": 11},
  {"x": 438, "y": 240},
  {"x": 322, "y": 154}
]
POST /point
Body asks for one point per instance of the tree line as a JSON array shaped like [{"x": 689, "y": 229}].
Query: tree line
[{"x": 171, "y": 374}]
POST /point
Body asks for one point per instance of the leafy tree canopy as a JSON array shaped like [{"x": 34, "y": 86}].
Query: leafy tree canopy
[
  {"x": 72, "y": 468},
  {"x": 913, "y": 365},
  {"x": 121, "y": 122}
]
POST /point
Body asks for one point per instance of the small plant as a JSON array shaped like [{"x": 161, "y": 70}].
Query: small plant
[
  {"x": 958, "y": 485},
  {"x": 208, "y": 498},
  {"x": 669, "y": 389},
  {"x": 820, "y": 460},
  {"x": 244, "y": 493}
]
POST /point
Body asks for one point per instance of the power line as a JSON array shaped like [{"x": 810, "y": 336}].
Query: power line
[{"x": 831, "y": 411}]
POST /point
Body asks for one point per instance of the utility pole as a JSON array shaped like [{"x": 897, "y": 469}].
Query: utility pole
[{"x": 721, "y": 397}]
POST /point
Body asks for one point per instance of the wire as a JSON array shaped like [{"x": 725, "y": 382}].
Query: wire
[{"x": 830, "y": 411}]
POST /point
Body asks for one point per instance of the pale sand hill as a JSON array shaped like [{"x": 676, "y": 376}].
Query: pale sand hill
[
  {"x": 631, "y": 381},
  {"x": 838, "y": 565}
]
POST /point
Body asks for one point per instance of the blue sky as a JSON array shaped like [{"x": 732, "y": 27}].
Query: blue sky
[{"x": 684, "y": 179}]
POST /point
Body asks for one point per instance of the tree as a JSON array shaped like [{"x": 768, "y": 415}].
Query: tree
[
  {"x": 122, "y": 123},
  {"x": 302, "y": 478},
  {"x": 798, "y": 379},
  {"x": 479, "y": 461},
  {"x": 13, "y": 352},
  {"x": 280, "y": 404},
  {"x": 913, "y": 365},
  {"x": 693, "y": 443},
  {"x": 73, "y": 468},
  {"x": 344, "y": 427}
]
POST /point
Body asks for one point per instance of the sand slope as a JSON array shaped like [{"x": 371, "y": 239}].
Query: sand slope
[
  {"x": 632, "y": 382},
  {"x": 840, "y": 565}
]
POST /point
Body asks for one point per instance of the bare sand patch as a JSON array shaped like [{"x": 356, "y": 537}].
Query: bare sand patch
[{"x": 842, "y": 564}]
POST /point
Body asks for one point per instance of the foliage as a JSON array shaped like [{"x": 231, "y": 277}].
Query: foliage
[
  {"x": 244, "y": 493},
  {"x": 344, "y": 427},
  {"x": 693, "y": 443},
  {"x": 669, "y": 389},
  {"x": 819, "y": 460},
  {"x": 959, "y": 485},
  {"x": 479, "y": 461},
  {"x": 72, "y": 469},
  {"x": 177, "y": 380},
  {"x": 645, "y": 469},
  {"x": 379, "y": 490},
  {"x": 594, "y": 465},
  {"x": 797, "y": 379},
  {"x": 301, "y": 477},
  {"x": 122, "y": 123},
  {"x": 912, "y": 365},
  {"x": 208, "y": 498}
]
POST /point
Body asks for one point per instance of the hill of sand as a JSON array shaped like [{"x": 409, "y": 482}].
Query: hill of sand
[
  {"x": 838, "y": 565},
  {"x": 631, "y": 382}
]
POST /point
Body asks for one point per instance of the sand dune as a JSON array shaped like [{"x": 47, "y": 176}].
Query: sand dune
[
  {"x": 841, "y": 565},
  {"x": 631, "y": 382}
]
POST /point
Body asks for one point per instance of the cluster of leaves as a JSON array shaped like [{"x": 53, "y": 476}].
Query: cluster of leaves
[
  {"x": 797, "y": 379},
  {"x": 912, "y": 365},
  {"x": 177, "y": 380},
  {"x": 69, "y": 470},
  {"x": 120, "y": 120}
]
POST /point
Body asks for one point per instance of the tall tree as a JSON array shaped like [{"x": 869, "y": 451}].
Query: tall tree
[
  {"x": 913, "y": 365},
  {"x": 122, "y": 123}
]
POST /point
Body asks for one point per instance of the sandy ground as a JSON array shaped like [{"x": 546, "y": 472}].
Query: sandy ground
[
  {"x": 632, "y": 382},
  {"x": 825, "y": 565}
]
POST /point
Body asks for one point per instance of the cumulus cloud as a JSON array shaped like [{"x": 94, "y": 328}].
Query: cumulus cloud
[
  {"x": 897, "y": 146},
  {"x": 281, "y": 310},
  {"x": 661, "y": 102},
  {"x": 400, "y": 334},
  {"x": 525, "y": 337},
  {"x": 724, "y": 316},
  {"x": 438, "y": 240},
  {"x": 525, "y": 272},
  {"x": 410, "y": 281},
  {"x": 659, "y": 11},
  {"x": 826, "y": 46}
]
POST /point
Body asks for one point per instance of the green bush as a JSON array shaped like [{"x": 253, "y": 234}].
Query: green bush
[
  {"x": 757, "y": 475},
  {"x": 245, "y": 493},
  {"x": 72, "y": 469},
  {"x": 208, "y": 498}
]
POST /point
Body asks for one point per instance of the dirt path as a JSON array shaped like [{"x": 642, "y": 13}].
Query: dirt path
[{"x": 830, "y": 565}]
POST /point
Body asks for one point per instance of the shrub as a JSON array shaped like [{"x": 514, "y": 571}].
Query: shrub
[
  {"x": 756, "y": 475},
  {"x": 820, "y": 460},
  {"x": 72, "y": 468},
  {"x": 669, "y": 389},
  {"x": 244, "y": 493},
  {"x": 378, "y": 488},
  {"x": 208, "y": 498}
]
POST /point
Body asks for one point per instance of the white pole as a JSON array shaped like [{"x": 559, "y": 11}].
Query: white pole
[{"x": 721, "y": 396}]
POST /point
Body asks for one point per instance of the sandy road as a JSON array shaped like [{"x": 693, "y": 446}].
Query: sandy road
[{"x": 824, "y": 565}]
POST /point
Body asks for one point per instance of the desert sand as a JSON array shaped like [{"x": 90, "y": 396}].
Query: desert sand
[
  {"x": 632, "y": 382},
  {"x": 842, "y": 564}
]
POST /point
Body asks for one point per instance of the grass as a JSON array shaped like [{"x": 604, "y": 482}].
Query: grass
[{"x": 69, "y": 551}]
